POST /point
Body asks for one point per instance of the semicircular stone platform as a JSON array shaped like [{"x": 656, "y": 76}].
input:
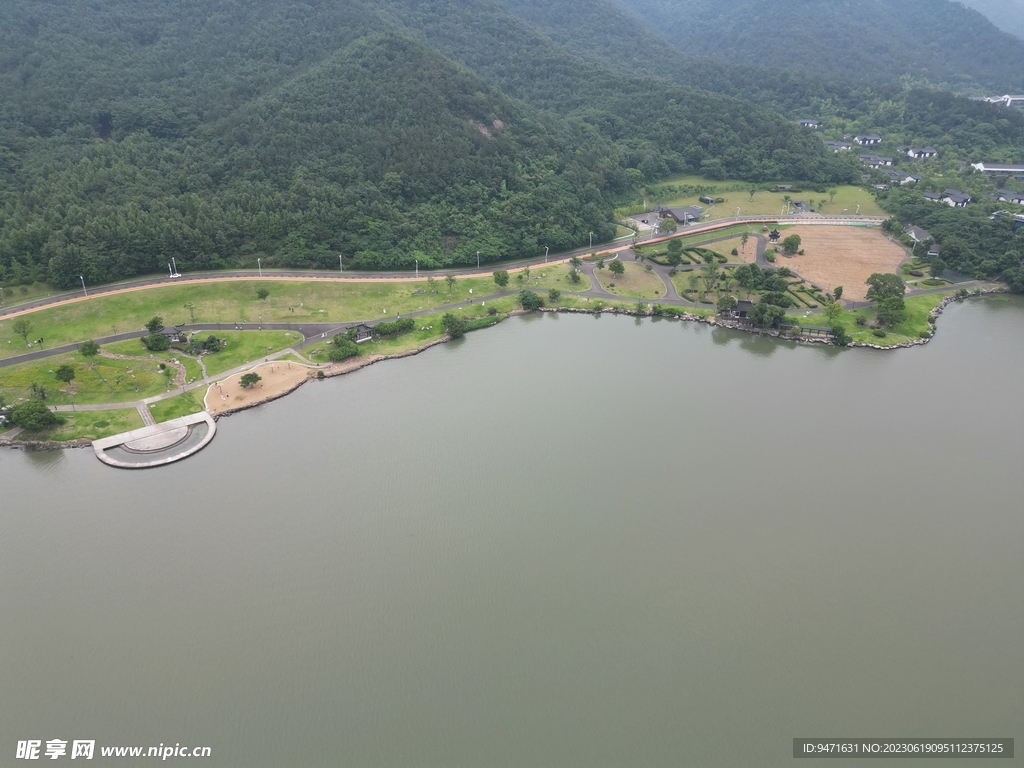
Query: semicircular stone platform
[{"x": 157, "y": 445}]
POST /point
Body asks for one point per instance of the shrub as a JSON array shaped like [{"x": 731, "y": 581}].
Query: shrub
[
  {"x": 320, "y": 375},
  {"x": 916, "y": 273},
  {"x": 925, "y": 335},
  {"x": 879, "y": 333},
  {"x": 492, "y": 310},
  {"x": 342, "y": 348},
  {"x": 454, "y": 325},
  {"x": 554, "y": 294},
  {"x": 33, "y": 415},
  {"x": 530, "y": 300},
  {"x": 393, "y": 328},
  {"x": 840, "y": 336},
  {"x": 861, "y": 320},
  {"x": 501, "y": 278},
  {"x": 156, "y": 342},
  {"x": 735, "y": 252}
]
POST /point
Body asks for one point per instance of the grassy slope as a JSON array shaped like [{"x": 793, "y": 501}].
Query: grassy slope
[
  {"x": 179, "y": 405},
  {"x": 768, "y": 203},
  {"x": 635, "y": 282},
  {"x": 235, "y": 301},
  {"x": 89, "y": 424}
]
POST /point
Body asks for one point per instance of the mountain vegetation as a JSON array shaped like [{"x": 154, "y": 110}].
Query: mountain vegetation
[
  {"x": 921, "y": 42},
  {"x": 1008, "y": 15},
  {"x": 298, "y": 132}
]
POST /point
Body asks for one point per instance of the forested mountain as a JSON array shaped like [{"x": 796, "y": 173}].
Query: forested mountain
[
  {"x": 600, "y": 31},
  {"x": 222, "y": 130},
  {"x": 1008, "y": 15},
  {"x": 924, "y": 42}
]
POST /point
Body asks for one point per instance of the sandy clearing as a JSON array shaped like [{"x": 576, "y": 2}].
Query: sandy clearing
[
  {"x": 844, "y": 256},
  {"x": 279, "y": 378}
]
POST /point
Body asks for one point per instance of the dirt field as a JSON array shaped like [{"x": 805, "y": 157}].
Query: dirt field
[
  {"x": 278, "y": 377},
  {"x": 844, "y": 256}
]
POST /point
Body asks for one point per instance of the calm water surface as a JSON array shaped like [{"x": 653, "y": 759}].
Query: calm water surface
[{"x": 565, "y": 541}]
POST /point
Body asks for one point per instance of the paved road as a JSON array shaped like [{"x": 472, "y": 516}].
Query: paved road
[{"x": 357, "y": 276}]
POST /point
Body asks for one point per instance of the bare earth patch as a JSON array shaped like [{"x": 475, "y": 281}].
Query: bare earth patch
[
  {"x": 279, "y": 378},
  {"x": 845, "y": 256}
]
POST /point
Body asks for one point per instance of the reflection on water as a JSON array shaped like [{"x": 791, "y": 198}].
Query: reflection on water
[{"x": 560, "y": 541}]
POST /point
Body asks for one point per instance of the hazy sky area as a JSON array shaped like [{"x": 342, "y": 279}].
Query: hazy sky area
[{"x": 1008, "y": 15}]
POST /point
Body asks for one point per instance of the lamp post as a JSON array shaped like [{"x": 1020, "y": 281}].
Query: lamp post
[
  {"x": 858, "y": 211},
  {"x": 591, "y": 239},
  {"x": 417, "y": 267},
  {"x": 341, "y": 264},
  {"x": 259, "y": 266},
  {"x": 83, "y": 286},
  {"x": 737, "y": 213},
  {"x": 175, "y": 265},
  {"x": 478, "y": 259},
  {"x": 546, "y": 253}
]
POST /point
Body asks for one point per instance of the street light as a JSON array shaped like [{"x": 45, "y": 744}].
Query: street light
[
  {"x": 591, "y": 239},
  {"x": 83, "y": 286},
  {"x": 259, "y": 266},
  {"x": 417, "y": 267},
  {"x": 546, "y": 254},
  {"x": 478, "y": 259},
  {"x": 341, "y": 264},
  {"x": 175, "y": 265},
  {"x": 858, "y": 211}
]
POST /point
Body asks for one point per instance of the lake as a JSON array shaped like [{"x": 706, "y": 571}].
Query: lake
[{"x": 563, "y": 541}]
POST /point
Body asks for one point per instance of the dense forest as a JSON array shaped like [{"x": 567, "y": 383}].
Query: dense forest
[
  {"x": 600, "y": 31},
  {"x": 1008, "y": 15},
  {"x": 220, "y": 131},
  {"x": 921, "y": 42}
]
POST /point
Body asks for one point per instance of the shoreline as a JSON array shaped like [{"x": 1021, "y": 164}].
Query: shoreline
[{"x": 340, "y": 369}]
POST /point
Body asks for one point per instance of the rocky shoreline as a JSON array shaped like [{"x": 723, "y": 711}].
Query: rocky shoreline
[
  {"x": 340, "y": 369},
  {"x": 711, "y": 320}
]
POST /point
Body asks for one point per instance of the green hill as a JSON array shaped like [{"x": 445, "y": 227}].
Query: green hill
[
  {"x": 910, "y": 41},
  {"x": 292, "y": 131},
  {"x": 1008, "y": 15}
]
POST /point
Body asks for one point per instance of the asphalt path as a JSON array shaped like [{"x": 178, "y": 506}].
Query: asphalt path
[{"x": 361, "y": 276}]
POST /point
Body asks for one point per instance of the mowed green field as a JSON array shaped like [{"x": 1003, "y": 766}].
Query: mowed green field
[
  {"x": 636, "y": 282},
  {"x": 100, "y": 381},
  {"x": 88, "y": 424},
  {"x": 317, "y": 301},
  {"x": 916, "y": 321},
  {"x": 765, "y": 203}
]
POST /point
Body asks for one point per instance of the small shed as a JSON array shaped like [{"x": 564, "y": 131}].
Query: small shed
[
  {"x": 774, "y": 236},
  {"x": 175, "y": 335},
  {"x": 743, "y": 308},
  {"x": 363, "y": 333}
]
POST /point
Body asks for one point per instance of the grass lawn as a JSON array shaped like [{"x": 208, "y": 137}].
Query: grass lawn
[
  {"x": 314, "y": 300},
  {"x": 765, "y": 203},
  {"x": 248, "y": 346},
  {"x": 745, "y": 254},
  {"x": 134, "y": 348},
  {"x": 88, "y": 424},
  {"x": 635, "y": 281},
  {"x": 544, "y": 278},
  {"x": 180, "y": 405},
  {"x": 15, "y": 295},
  {"x": 910, "y": 329},
  {"x": 102, "y": 381}
]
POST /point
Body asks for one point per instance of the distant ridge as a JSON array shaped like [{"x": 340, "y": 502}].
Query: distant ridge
[{"x": 923, "y": 42}]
